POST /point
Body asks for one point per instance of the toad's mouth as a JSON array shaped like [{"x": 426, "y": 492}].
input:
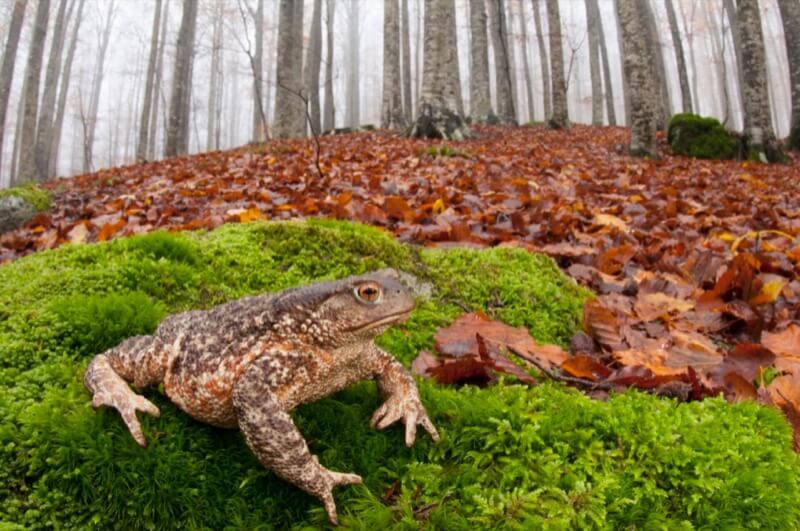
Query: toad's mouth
[{"x": 388, "y": 320}]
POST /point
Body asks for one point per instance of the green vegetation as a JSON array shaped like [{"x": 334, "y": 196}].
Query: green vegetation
[
  {"x": 443, "y": 150},
  {"x": 700, "y": 137},
  {"x": 38, "y": 197},
  {"x": 510, "y": 456}
]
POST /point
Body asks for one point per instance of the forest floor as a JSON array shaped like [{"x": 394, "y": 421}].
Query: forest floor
[{"x": 696, "y": 262}]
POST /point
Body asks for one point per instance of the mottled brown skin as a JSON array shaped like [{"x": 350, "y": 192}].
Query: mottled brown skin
[{"x": 247, "y": 363}]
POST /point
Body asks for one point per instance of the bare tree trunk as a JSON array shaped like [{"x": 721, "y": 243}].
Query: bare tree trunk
[
  {"x": 560, "y": 117},
  {"x": 259, "y": 131},
  {"x": 392, "y": 107},
  {"x": 212, "y": 132},
  {"x": 157, "y": 88},
  {"x": 611, "y": 112},
  {"x": 790, "y": 13},
  {"x": 593, "y": 22},
  {"x": 7, "y": 70},
  {"x": 502, "y": 67},
  {"x": 441, "y": 90},
  {"x": 15, "y": 153},
  {"x": 718, "y": 51},
  {"x": 511, "y": 50},
  {"x": 733, "y": 19},
  {"x": 144, "y": 122},
  {"x": 97, "y": 85},
  {"x": 418, "y": 59},
  {"x": 546, "y": 84},
  {"x": 405, "y": 40},
  {"x": 657, "y": 55},
  {"x": 353, "y": 117},
  {"x": 757, "y": 120},
  {"x": 526, "y": 65},
  {"x": 638, "y": 67},
  {"x": 480, "y": 97},
  {"x": 27, "y": 171},
  {"x": 312, "y": 68},
  {"x": 686, "y": 94},
  {"x": 329, "y": 116},
  {"x": 180, "y": 99},
  {"x": 289, "y": 106}
]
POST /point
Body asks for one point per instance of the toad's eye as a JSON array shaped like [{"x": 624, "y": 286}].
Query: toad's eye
[{"x": 369, "y": 293}]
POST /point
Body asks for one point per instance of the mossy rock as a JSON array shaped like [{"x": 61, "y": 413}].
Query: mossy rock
[
  {"x": 511, "y": 456},
  {"x": 30, "y": 193},
  {"x": 700, "y": 137}
]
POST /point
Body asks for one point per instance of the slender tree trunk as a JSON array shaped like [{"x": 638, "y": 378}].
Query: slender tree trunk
[
  {"x": 686, "y": 94},
  {"x": 560, "y": 117},
  {"x": 27, "y": 171},
  {"x": 7, "y": 70},
  {"x": 502, "y": 67},
  {"x": 546, "y": 85},
  {"x": 180, "y": 99},
  {"x": 757, "y": 128},
  {"x": 718, "y": 51},
  {"x": 97, "y": 85},
  {"x": 418, "y": 58},
  {"x": 733, "y": 19},
  {"x": 593, "y": 22},
  {"x": 212, "y": 137},
  {"x": 657, "y": 55},
  {"x": 526, "y": 65},
  {"x": 790, "y": 13},
  {"x": 15, "y": 153},
  {"x": 480, "y": 97},
  {"x": 637, "y": 61},
  {"x": 259, "y": 127},
  {"x": 329, "y": 116},
  {"x": 157, "y": 86},
  {"x": 392, "y": 108},
  {"x": 611, "y": 112},
  {"x": 312, "y": 67},
  {"x": 144, "y": 121},
  {"x": 289, "y": 106},
  {"x": 353, "y": 118},
  {"x": 511, "y": 50},
  {"x": 405, "y": 39}
]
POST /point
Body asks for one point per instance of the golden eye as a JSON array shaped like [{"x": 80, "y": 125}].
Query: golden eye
[{"x": 369, "y": 293}]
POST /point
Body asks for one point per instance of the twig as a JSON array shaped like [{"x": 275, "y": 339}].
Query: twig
[
  {"x": 559, "y": 377},
  {"x": 314, "y": 132}
]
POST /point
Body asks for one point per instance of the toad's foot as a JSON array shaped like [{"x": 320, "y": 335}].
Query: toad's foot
[
  {"x": 409, "y": 408},
  {"x": 109, "y": 389},
  {"x": 324, "y": 482}
]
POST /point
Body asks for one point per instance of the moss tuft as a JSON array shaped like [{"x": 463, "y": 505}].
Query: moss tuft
[
  {"x": 701, "y": 137},
  {"x": 510, "y": 456},
  {"x": 31, "y": 193}
]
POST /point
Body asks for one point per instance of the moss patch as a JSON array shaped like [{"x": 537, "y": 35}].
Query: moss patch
[
  {"x": 701, "y": 137},
  {"x": 31, "y": 193},
  {"x": 511, "y": 456}
]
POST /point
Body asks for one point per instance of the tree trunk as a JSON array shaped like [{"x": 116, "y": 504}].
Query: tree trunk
[
  {"x": 144, "y": 121},
  {"x": 560, "y": 117},
  {"x": 312, "y": 68},
  {"x": 329, "y": 117},
  {"x": 479, "y": 95},
  {"x": 790, "y": 13},
  {"x": 593, "y": 21},
  {"x": 638, "y": 69},
  {"x": 686, "y": 94},
  {"x": 717, "y": 43},
  {"x": 289, "y": 106},
  {"x": 502, "y": 67},
  {"x": 733, "y": 19},
  {"x": 353, "y": 118},
  {"x": 511, "y": 50},
  {"x": 158, "y": 94},
  {"x": 66, "y": 78},
  {"x": 438, "y": 113},
  {"x": 660, "y": 71},
  {"x": 180, "y": 98},
  {"x": 757, "y": 127},
  {"x": 392, "y": 105},
  {"x": 546, "y": 85},
  {"x": 526, "y": 65},
  {"x": 405, "y": 39},
  {"x": 259, "y": 128},
  {"x": 97, "y": 85},
  {"x": 611, "y": 112},
  {"x": 7, "y": 70},
  {"x": 27, "y": 169},
  {"x": 212, "y": 138}
]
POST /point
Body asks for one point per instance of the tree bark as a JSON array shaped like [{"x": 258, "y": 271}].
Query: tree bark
[
  {"x": 479, "y": 95},
  {"x": 215, "y": 81},
  {"x": 353, "y": 118},
  {"x": 97, "y": 85},
  {"x": 660, "y": 71},
  {"x": 593, "y": 21},
  {"x": 502, "y": 67},
  {"x": 259, "y": 128},
  {"x": 27, "y": 167},
  {"x": 439, "y": 100},
  {"x": 180, "y": 98},
  {"x": 611, "y": 112},
  {"x": 526, "y": 65},
  {"x": 7, "y": 70},
  {"x": 289, "y": 106},
  {"x": 157, "y": 88},
  {"x": 790, "y": 13},
  {"x": 677, "y": 43},
  {"x": 66, "y": 79},
  {"x": 638, "y": 68},
  {"x": 546, "y": 85},
  {"x": 757, "y": 127},
  {"x": 329, "y": 116},
  {"x": 560, "y": 117},
  {"x": 312, "y": 67},
  {"x": 405, "y": 39},
  {"x": 733, "y": 19},
  {"x": 392, "y": 105},
  {"x": 144, "y": 120}
]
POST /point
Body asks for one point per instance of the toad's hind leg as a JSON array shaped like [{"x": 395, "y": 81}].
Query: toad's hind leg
[
  {"x": 273, "y": 437},
  {"x": 141, "y": 360}
]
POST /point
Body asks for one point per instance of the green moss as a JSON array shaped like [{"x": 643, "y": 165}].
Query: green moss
[
  {"x": 443, "y": 150},
  {"x": 31, "y": 193},
  {"x": 510, "y": 456},
  {"x": 701, "y": 137}
]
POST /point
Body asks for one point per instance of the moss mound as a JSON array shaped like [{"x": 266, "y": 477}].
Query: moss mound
[
  {"x": 31, "y": 193},
  {"x": 700, "y": 137},
  {"x": 511, "y": 456}
]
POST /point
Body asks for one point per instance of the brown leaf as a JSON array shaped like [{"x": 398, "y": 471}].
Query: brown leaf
[{"x": 586, "y": 367}]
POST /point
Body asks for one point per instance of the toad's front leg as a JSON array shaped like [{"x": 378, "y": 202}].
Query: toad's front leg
[
  {"x": 273, "y": 437},
  {"x": 402, "y": 397}
]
